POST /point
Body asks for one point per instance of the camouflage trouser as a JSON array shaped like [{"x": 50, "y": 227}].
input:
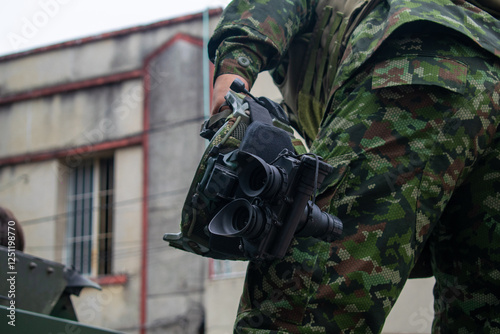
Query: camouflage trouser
[{"x": 413, "y": 138}]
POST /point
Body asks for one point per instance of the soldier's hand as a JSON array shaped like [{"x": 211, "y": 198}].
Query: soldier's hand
[{"x": 221, "y": 87}]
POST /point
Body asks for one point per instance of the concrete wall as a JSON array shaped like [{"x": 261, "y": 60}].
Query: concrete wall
[
  {"x": 30, "y": 192},
  {"x": 175, "y": 283},
  {"x": 414, "y": 309},
  {"x": 76, "y": 118}
]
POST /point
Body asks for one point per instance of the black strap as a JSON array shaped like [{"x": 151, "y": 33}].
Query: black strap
[{"x": 258, "y": 113}]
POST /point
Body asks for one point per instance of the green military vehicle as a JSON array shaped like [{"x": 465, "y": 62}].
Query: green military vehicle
[{"x": 35, "y": 296}]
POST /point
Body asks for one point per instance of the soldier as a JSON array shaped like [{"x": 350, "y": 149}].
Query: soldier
[{"x": 402, "y": 98}]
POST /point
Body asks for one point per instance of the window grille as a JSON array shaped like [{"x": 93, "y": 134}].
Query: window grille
[
  {"x": 90, "y": 216},
  {"x": 80, "y": 216}
]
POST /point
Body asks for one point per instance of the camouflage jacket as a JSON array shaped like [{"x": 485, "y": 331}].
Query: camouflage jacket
[
  {"x": 259, "y": 35},
  {"x": 262, "y": 30}
]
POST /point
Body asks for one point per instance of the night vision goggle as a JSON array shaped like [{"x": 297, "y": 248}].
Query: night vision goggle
[{"x": 255, "y": 186}]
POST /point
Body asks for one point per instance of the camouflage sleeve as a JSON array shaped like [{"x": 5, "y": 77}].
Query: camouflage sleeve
[{"x": 252, "y": 35}]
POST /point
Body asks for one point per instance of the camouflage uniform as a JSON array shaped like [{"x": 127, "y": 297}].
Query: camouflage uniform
[{"x": 411, "y": 129}]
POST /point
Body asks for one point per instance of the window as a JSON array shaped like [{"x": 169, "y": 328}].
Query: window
[
  {"x": 106, "y": 174},
  {"x": 90, "y": 216}
]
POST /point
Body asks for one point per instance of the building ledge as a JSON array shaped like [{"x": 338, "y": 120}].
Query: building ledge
[
  {"x": 113, "y": 34},
  {"x": 70, "y": 153},
  {"x": 111, "y": 279}
]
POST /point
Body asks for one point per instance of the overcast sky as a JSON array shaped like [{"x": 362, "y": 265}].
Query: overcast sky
[{"x": 28, "y": 24}]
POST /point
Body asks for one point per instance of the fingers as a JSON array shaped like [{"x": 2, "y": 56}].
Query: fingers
[{"x": 221, "y": 87}]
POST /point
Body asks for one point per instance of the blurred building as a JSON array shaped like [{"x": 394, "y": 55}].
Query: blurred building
[{"x": 98, "y": 145}]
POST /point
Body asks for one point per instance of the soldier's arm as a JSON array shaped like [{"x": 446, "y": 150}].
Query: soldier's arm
[{"x": 252, "y": 36}]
